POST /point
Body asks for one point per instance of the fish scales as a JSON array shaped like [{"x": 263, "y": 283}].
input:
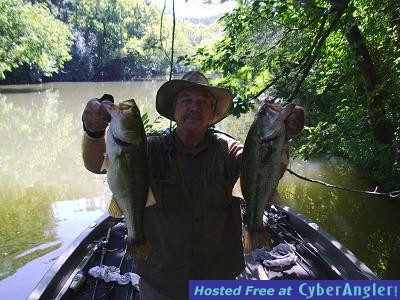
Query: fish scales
[
  {"x": 261, "y": 169},
  {"x": 127, "y": 170}
]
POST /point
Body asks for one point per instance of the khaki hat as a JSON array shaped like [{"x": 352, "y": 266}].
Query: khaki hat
[{"x": 167, "y": 92}]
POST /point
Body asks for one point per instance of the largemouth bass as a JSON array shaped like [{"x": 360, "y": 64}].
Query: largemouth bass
[
  {"x": 127, "y": 171},
  {"x": 260, "y": 172}
]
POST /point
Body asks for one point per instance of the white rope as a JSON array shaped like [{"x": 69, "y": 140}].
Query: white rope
[{"x": 112, "y": 273}]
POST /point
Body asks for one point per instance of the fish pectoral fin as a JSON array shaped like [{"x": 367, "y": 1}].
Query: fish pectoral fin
[
  {"x": 114, "y": 210},
  {"x": 151, "y": 200},
  {"x": 237, "y": 190},
  {"x": 106, "y": 163}
]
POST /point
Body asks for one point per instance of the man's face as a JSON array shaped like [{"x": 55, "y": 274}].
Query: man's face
[{"x": 194, "y": 109}]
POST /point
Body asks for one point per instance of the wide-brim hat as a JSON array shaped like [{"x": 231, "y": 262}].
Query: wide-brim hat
[{"x": 168, "y": 91}]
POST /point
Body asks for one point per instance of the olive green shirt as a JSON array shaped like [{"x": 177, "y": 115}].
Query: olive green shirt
[{"x": 195, "y": 228}]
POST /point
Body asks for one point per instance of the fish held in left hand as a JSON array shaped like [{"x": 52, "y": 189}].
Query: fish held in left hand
[
  {"x": 261, "y": 169},
  {"x": 126, "y": 163}
]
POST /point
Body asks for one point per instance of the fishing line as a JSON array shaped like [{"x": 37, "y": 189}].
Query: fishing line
[{"x": 171, "y": 60}]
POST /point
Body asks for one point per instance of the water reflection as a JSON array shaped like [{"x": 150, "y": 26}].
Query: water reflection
[
  {"x": 68, "y": 218},
  {"x": 40, "y": 163},
  {"x": 26, "y": 222},
  {"x": 365, "y": 224}
]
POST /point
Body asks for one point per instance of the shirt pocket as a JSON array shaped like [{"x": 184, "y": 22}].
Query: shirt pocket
[
  {"x": 220, "y": 195},
  {"x": 169, "y": 193}
]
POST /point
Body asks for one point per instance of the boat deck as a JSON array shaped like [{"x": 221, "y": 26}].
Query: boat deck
[{"x": 317, "y": 256}]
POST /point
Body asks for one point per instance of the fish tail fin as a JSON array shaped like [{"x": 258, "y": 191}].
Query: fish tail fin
[
  {"x": 143, "y": 248},
  {"x": 114, "y": 210},
  {"x": 254, "y": 238},
  {"x": 248, "y": 241},
  {"x": 267, "y": 241}
]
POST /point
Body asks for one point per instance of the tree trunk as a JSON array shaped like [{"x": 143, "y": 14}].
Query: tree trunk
[{"x": 382, "y": 128}]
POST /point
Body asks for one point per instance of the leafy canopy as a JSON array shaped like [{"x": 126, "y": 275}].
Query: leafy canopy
[
  {"x": 30, "y": 34},
  {"x": 300, "y": 51}
]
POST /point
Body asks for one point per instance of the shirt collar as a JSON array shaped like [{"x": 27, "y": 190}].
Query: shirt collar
[{"x": 180, "y": 147}]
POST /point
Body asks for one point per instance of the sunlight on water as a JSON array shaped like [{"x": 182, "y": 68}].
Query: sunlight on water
[
  {"x": 28, "y": 266},
  {"x": 78, "y": 208}
]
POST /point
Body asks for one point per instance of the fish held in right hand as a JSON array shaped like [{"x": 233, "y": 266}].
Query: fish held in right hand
[{"x": 127, "y": 171}]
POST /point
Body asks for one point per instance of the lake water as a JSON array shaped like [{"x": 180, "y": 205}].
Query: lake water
[{"x": 47, "y": 197}]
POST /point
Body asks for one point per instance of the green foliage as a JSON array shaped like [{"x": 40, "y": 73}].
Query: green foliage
[
  {"x": 152, "y": 129},
  {"x": 110, "y": 27},
  {"x": 113, "y": 40},
  {"x": 120, "y": 39},
  {"x": 29, "y": 34},
  {"x": 298, "y": 51}
]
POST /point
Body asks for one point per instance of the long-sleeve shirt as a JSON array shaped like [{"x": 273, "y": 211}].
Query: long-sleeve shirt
[{"x": 195, "y": 227}]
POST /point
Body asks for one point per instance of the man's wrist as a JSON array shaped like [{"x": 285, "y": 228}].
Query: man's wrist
[
  {"x": 98, "y": 134},
  {"x": 93, "y": 134}
]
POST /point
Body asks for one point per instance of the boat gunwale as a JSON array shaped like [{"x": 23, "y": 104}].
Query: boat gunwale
[
  {"x": 54, "y": 279},
  {"x": 345, "y": 260}
]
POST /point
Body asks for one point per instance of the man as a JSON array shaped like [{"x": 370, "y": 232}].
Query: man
[{"x": 195, "y": 225}]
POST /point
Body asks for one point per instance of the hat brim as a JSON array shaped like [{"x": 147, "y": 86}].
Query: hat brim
[{"x": 168, "y": 91}]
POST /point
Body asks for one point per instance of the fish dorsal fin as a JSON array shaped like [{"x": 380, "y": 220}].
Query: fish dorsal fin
[
  {"x": 124, "y": 106},
  {"x": 113, "y": 209}
]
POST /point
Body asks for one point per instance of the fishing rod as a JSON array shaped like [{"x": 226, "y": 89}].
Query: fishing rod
[
  {"x": 130, "y": 288},
  {"x": 295, "y": 251},
  {"x": 306, "y": 245},
  {"x": 78, "y": 276},
  {"x": 103, "y": 244},
  {"x": 276, "y": 233}
]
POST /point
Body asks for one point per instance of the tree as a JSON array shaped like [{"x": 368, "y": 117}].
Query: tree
[
  {"x": 30, "y": 35},
  {"x": 339, "y": 59},
  {"x": 119, "y": 36}
]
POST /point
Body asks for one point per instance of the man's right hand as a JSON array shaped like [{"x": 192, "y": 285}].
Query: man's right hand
[{"x": 95, "y": 117}]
